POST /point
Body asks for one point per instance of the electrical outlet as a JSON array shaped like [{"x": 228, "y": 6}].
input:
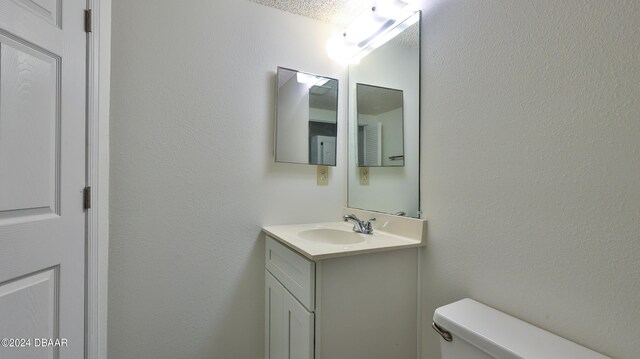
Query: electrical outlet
[
  {"x": 364, "y": 176},
  {"x": 323, "y": 175}
]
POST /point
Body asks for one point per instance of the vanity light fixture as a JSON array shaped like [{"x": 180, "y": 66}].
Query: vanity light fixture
[{"x": 381, "y": 23}]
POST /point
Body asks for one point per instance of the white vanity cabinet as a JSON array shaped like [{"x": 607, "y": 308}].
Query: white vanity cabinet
[{"x": 359, "y": 306}]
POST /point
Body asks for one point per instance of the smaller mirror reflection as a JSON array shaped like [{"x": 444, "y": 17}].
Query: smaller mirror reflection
[
  {"x": 306, "y": 118},
  {"x": 380, "y": 126}
]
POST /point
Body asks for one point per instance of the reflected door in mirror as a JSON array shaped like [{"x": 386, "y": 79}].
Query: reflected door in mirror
[{"x": 380, "y": 126}]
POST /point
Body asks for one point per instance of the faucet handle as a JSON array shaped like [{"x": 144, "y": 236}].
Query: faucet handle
[{"x": 369, "y": 226}]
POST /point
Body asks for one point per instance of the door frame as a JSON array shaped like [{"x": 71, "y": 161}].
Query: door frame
[{"x": 97, "y": 177}]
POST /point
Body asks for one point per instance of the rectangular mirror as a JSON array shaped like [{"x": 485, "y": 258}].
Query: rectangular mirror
[
  {"x": 380, "y": 126},
  {"x": 306, "y": 118},
  {"x": 384, "y": 125}
]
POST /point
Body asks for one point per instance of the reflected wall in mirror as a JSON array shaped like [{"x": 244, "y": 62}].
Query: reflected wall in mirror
[
  {"x": 392, "y": 186},
  {"x": 380, "y": 126},
  {"x": 306, "y": 118}
]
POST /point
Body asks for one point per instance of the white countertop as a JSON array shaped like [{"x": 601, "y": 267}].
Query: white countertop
[{"x": 304, "y": 239}]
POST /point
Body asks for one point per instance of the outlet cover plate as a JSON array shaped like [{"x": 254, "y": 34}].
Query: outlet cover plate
[
  {"x": 323, "y": 175},
  {"x": 364, "y": 175}
]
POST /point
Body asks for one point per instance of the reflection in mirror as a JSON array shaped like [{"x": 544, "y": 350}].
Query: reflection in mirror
[
  {"x": 380, "y": 126},
  {"x": 306, "y": 118},
  {"x": 388, "y": 77}
]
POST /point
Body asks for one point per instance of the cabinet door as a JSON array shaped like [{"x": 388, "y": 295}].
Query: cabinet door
[
  {"x": 299, "y": 327},
  {"x": 288, "y": 325},
  {"x": 274, "y": 318}
]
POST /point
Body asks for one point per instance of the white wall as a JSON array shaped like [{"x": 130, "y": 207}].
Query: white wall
[
  {"x": 192, "y": 172},
  {"x": 531, "y": 165}
]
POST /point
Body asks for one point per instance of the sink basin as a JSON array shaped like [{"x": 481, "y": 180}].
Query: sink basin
[
  {"x": 332, "y": 236},
  {"x": 319, "y": 241}
]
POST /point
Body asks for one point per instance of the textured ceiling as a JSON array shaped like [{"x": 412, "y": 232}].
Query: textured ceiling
[{"x": 339, "y": 12}]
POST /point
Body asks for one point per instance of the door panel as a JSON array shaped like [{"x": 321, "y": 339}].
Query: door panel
[
  {"x": 28, "y": 130},
  {"x": 47, "y": 9},
  {"x": 30, "y": 308}
]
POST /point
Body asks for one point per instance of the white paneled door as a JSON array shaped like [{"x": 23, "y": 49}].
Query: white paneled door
[{"x": 42, "y": 177}]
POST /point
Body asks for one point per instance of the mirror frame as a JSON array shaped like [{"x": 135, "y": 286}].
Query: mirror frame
[{"x": 308, "y": 120}]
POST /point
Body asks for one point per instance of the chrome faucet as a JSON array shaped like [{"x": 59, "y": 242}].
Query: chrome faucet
[{"x": 359, "y": 226}]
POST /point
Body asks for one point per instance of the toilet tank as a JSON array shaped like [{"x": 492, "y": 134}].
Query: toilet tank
[{"x": 481, "y": 332}]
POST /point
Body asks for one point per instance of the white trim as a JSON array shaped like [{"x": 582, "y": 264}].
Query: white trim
[
  {"x": 98, "y": 45},
  {"x": 93, "y": 145}
]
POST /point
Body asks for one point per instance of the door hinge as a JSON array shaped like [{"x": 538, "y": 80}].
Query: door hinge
[
  {"x": 87, "y": 20},
  {"x": 87, "y": 197}
]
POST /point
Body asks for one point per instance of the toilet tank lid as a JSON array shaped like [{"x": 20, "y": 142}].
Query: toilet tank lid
[{"x": 504, "y": 336}]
